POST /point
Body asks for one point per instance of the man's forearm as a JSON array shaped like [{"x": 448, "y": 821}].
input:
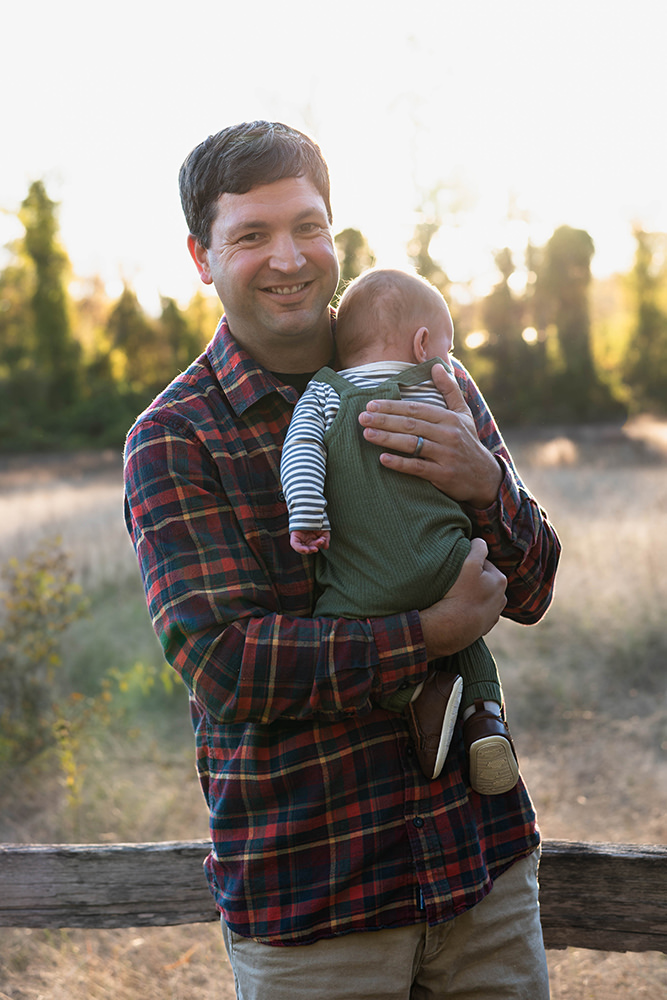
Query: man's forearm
[{"x": 470, "y": 608}]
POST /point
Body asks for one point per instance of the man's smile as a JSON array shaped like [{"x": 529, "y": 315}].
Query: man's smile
[{"x": 287, "y": 289}]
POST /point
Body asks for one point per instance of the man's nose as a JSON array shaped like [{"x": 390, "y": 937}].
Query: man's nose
[{"x": 286, "y": 254}]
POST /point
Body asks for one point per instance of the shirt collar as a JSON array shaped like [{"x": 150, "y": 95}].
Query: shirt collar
[{"x": 243, "y": 380}]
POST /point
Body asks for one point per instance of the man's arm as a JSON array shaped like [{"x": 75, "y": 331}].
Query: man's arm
[
  {"x": 469, "y": 609},
  {"x": 238, "y": 632},
  {"x": 465, "y": 456}
]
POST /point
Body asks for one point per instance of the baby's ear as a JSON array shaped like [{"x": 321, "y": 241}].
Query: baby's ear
[{"x": 420, "y": 344}]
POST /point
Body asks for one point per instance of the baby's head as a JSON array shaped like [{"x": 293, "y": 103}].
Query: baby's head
[{"x": 392, "y": 315}]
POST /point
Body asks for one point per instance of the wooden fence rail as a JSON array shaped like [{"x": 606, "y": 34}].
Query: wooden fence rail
[{"x": 609, "y": 897}]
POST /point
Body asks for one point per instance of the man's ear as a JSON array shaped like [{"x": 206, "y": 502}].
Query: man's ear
[
  {"x": 420, "y": 344},
  {"x": 199, "y": 255}
]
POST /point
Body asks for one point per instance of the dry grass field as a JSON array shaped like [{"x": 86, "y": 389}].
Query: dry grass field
[{"x": 585, "y": 690}]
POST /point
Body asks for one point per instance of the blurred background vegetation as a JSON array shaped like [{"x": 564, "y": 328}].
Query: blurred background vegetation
[
  {"x": 547, "y": 344},
  {"x": 95, "y": 739}
]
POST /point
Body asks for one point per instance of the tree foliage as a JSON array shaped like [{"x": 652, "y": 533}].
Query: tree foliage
[
  {"x": 514, "y": 373},
  {"x": 76, "y": 372},
  {"x": 646, "y": 366},
  {"x": 563, "y": 284},
  {"x": 354, "y": 256},
  {"x": 419, "y": 254},
  {"x": 57, "y": 354}
]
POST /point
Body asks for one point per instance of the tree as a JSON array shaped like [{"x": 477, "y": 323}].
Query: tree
[
  {"x": 354, "y": 255},
  {"x": 562, "y": 287},
  {"x": 512, "y": 380},
  {"x": 646, "y": 366},
  {"x": 182, "y": 340},
  {"x": 137, "y": 354},
  {"x": 16, "y": 347},
  {"x": 203, "y": 314},
  {"x": 57, "y": 354},
  {"x": 419, "y": 254}
]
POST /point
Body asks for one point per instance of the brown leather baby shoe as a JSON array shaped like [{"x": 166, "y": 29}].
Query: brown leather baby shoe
[
  {"x": 431, "y": 719},
  {"x": 493, "y": 762}
]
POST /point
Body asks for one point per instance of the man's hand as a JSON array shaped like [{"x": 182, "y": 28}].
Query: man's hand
[
  {"x": 451, "y": 457},
  {"x": 469, "y": 609}
]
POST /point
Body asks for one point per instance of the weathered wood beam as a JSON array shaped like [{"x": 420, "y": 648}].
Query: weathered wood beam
[
  {"x": 115, "y": 885},
  {"x": 609, "y": 897}
]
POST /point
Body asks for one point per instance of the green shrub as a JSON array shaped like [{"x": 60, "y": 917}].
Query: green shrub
[{"x": 38, "y": 604}]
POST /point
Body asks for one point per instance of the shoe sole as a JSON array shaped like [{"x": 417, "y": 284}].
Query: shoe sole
[
  {"x": 448, "y": 723},
  {"x": 493, "y": 766}
]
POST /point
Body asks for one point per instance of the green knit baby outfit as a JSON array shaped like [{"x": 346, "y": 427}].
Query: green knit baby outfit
[{"x": 397, "y": 542}]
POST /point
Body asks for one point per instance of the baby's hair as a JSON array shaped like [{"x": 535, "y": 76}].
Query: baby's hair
[{"x": 380, "y": 305}]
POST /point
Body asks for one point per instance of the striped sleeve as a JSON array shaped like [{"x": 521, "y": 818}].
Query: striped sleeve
[{"x": 303, "y": 463}]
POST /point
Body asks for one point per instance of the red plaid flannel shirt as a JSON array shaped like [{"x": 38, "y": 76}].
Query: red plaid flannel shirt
[{"x": 321, "y": 821}]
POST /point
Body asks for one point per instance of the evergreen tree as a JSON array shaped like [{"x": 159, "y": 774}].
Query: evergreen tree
[
  {"x": 183, "y": 342},
  {"x": 510, "y": 381},
  {"x": 646, "y": 367},
  {"x": 90, "y": 314},
  {"x": 138, "y": 356},
  {"x": 16, "y": 348},
  {"x": 57, "y": 354},
  {"x": 203, "y": 314},
  {"x": 563, "y": 288},
  {"x": 355, "y": 257},
  {"x": 419, "y": 254}
]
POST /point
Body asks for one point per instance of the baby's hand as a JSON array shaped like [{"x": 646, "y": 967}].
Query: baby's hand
[{"x": 306, "y": 542}]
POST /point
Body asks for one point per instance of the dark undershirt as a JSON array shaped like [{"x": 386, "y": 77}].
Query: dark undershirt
[{"x": 298, "y": 380}]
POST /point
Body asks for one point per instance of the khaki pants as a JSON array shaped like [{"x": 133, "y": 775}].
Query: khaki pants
[{"x": 493, "y": 952}]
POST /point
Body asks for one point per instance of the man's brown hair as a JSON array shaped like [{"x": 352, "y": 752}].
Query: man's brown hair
[{"x": 240, "y": 158}]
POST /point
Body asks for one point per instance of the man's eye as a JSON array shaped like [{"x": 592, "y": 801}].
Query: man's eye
[
  {"x": 309, "y": 227},
  {"x": 249, "y": 238}
]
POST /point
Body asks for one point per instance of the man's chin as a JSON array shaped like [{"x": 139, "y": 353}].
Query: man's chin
[{"x": 297, "y": 321}]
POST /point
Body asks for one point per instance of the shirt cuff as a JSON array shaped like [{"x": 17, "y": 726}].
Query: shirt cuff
[
  {"x": 401, "y": 651},
  {"x": 502, "y": 511}
]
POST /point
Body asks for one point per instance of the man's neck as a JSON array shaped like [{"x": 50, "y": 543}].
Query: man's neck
[{"x": 282, "y": 354}]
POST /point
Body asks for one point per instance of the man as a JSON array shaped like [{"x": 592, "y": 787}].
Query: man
[{"x": 326, "y": 835}]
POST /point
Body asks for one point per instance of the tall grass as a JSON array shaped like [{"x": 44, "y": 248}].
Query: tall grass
[
  {"x": 77, "y": 498},
  {"x": 585, "y": 692}
]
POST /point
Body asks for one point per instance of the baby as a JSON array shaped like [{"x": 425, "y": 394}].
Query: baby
[{"x": 386, "y": 542}]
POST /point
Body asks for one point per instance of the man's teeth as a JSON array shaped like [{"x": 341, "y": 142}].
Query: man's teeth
[{"x": 285, "y": 290}]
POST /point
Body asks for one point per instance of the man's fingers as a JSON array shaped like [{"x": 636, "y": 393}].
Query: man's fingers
[
  {"x": 399, "y": 414},
  {"x": 479, "y": 550},
  {"x": 401, "y": 432},
  {"x": 449, "y": 388},
  {"x": 493, "y": 582}
]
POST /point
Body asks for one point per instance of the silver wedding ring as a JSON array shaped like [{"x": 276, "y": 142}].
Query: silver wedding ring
[{"x": 418, "y": 449}]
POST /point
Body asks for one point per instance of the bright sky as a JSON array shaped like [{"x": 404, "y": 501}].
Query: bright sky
[{"x": 555, "y": 107}]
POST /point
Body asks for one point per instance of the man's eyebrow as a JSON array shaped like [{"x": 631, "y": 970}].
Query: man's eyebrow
[
  {"x": 313, "y": 210},
  {"x": 259, "y": 223},
  {"x": 240, "y": 227}
]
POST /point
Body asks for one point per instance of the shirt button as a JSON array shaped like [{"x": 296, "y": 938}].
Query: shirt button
[
  {"x": 281, "y": 497},
  {"x": 418, "y": 822}
]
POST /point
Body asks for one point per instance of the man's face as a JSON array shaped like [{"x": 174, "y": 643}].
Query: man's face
[{"x": 274, "y": 266}]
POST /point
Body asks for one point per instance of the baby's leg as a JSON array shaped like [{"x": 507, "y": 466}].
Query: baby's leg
[{"x": 493, "y": 764}]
